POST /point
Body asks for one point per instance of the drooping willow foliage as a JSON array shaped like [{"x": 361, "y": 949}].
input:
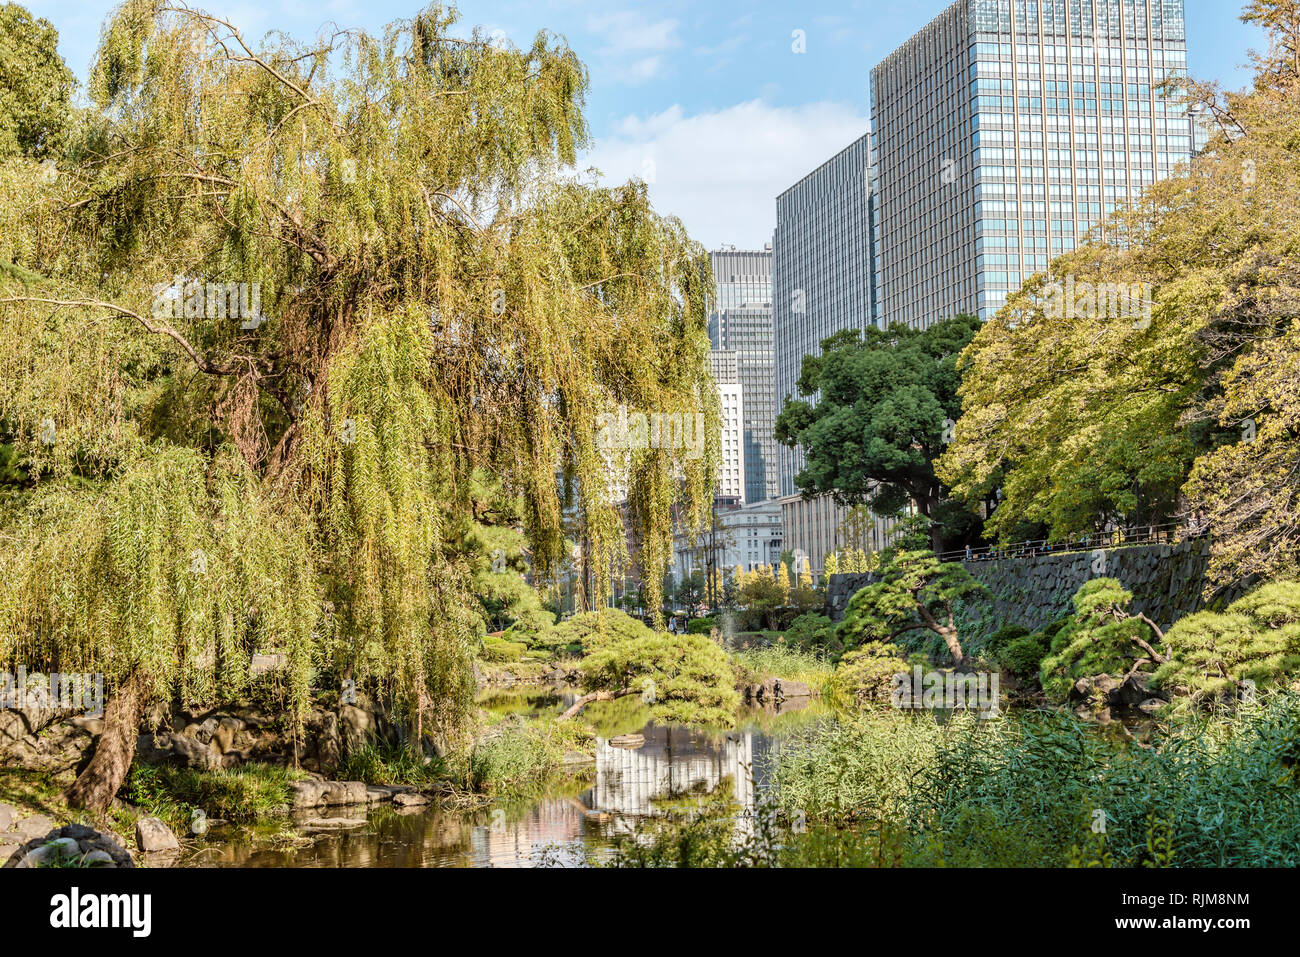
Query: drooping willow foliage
[
  {"x": 438, "y": 295},
  {"x": 176, "y": 569}
]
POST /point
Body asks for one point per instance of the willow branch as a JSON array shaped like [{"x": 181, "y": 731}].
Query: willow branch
[{"x": 203, "y": 363}]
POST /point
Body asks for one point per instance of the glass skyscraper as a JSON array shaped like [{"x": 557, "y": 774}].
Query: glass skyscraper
[
  {"x": 742, "y": 326},
  {"x": 1005, "y": 130},
  {"x": 822, "y": 271},
  {"x": 822, "y": 283}
]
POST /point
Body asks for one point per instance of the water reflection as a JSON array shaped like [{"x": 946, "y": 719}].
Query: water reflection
[{"x": 637, "y": 775}]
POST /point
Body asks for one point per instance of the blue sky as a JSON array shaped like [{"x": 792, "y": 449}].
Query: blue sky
[{"x": 705, "y": 101}]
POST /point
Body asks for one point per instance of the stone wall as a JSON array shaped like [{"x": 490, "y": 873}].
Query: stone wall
[
  {"x": 1167, "y": 583},
  {"x": 60, "y": 743},
  {"x": 841, "y": 590}
]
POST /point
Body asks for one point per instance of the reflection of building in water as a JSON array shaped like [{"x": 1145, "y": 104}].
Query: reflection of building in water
[
  {"x": 555, "y": 824},
  {"x": 672, "y": 762}
]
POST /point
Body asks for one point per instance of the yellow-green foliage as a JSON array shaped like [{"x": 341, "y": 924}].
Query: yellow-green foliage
[
  {"x": 866, "y": 676},
  {"x": 1186, "y": 403},
  {"x": 178, "y": 569},
  {"x": 437, "y": 302},
  {"x": 589, "y": 626},
  {"x": 1098, "y": 641},
  {"x": 494, "y": 649},
  {"x": 683, "y": 677},
  {"x": 1256, "y": 639}
]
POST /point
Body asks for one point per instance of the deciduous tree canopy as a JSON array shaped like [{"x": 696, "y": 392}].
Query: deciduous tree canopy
[
  {"x": 314, "y": 289},
  {"x": 1185, "y": 406}
]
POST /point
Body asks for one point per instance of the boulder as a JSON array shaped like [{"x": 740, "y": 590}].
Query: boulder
[
  {"x": 33, "y": 827},
  {"x": 357, "y": 726},
  {"x": 576, "y": 759},
  {"x": 329, "y": 743},
  {"x": 332, "y": 823},
  {"x": 151, "y": 835},
  {"x": 410, "y": 799},
  {"x": 312, "y": 792},
  {"x": 72, "y": 845},
  {"x": 306, "y": 793},
  {"x": 344, "y": 792}
]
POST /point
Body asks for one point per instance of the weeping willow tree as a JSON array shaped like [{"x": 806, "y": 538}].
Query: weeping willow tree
[{"x": 278, "y": 307}]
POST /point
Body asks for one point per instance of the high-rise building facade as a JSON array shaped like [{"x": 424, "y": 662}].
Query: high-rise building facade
[
  {"x": 822, "y": 283},
  {"x": 822, "y": 275},
  {"x": 1005, "y": 130},
  {"x": 745, "y": 536},
  {"x": 741, "y": 325}
]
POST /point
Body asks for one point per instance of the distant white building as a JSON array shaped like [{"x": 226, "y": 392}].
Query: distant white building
[
  {"x": 731, "y": 475},
  {"x": 748, "y": 536}
]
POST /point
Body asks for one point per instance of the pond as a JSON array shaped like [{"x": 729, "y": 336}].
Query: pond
[{"x": 640, "y": 769}]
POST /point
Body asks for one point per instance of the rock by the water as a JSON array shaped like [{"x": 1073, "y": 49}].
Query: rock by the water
[
  {"x": 306, "y": 793},
  {"x": 576, "y": 759},
  {"x": 311, "y": 792},
  {"x": 410, "y": 799},
  {"x": 73, "y": 845},
  {"x": 777, "y": 689},
  {"x": 151, "y": 834},
  {"x": 332, "y": 823}
]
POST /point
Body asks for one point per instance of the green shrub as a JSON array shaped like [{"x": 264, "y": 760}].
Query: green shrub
[
  {"x": 494, "y": 649},
  {"x": 814, "y": 632},
  {"x": 684, "y": 677},
  {"x": 866, "y": 675},
  {"x": 1257, "y": 638},
  {"x": 1003, "y": 637},
  {"x": 1099, "y": 640},
  {"x": 572, "y": 635},
  {"x": 701, "y": 626},
  {"x": 1024, "y": 654}
]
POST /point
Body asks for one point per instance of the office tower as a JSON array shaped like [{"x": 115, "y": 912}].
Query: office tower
[
  {"x": 1005, "y": 130},
  {"x": 821, "y": 271},
  {"x": 741, "y": 324},
  {"x": 822, "y": 283}
]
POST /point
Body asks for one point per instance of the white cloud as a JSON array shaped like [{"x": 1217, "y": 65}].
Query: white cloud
[
  {"x": 632, "y": 46},
  {"x": 721, "y": 172}
]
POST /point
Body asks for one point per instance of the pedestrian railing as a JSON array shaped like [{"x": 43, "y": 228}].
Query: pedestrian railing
[{"x": 1117, "y": 538}]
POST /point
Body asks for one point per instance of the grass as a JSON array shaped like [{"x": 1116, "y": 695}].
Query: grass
[
  {"x": 757, "y": 664},
  {"x": 895, "y": 790},
  {"x": 35, "y": 792},
  {"x": 391, "y": 764},
  {"x": 1026, "y": 790},
  {"x": 249, "y": 794},
  {"x": 524, "y": 758}
]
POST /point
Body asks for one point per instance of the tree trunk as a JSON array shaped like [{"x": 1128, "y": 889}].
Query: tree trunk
[
  {"x": 947, "y": 632},
  {"x": 95, "y": 788},
  {"x": 949, "y": 636},
  {"x": 594, "y": 696}
]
